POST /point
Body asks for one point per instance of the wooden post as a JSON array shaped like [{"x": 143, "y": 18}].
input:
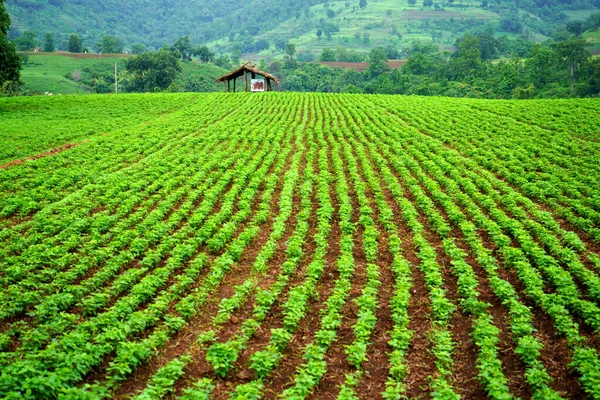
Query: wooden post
[
  {"x": 234, "y": 81},
  {"x": 245, "y": 81},
  {"x": 228, "y": 85},
  {"x": 268, "y": 84}
]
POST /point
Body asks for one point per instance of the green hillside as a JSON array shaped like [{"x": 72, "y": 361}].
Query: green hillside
[
  {"x": 255, "y": 27},
  {"x": 382, "y": 23},
  {"x": 75, "y": 74}
]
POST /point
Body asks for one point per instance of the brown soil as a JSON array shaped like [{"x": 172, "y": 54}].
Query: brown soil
[{"x": 362, "y": 66}]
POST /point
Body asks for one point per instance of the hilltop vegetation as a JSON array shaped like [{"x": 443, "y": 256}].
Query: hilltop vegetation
[
  {"x": 260, "y": 27},
  {"x": 296, "y": 245}
]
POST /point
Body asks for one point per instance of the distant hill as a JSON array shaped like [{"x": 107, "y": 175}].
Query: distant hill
[{"x": 257, "y": 27}]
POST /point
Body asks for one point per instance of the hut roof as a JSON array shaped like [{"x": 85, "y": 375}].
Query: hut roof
[{"x": 248, "y": 67}]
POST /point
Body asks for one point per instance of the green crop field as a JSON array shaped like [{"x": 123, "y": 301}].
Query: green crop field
[{"x": 286, "y": 245}]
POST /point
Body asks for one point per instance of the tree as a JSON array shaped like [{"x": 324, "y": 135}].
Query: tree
[
  {"x": 540, "y": 65},
  {"x": 593, "y": 22},
  {"x": 437, "y": 6},
  {"x": 509, "y": 74},
  {"x": 10, "y": 62},
  {"x": 152, "y": 71},
  {"x": 138, "y": 49},
  {"x": 330, "y": 13},
  {"x": 467, "y": 60},
  {"x": 290, "y": 53},
  {"x": 412, "y": 2},
  {"x": 595, "y": 77},
  {"x": 27, "y": 42},
  {"x": 362, "y": 3},
  {"x": 75, "y": 43},
  {"x": 427, "y": 3},
  {"x": 377, "y": 62},
  {"x": 204, "y": 54},
  {"x": 487, "y": 45},
  {"x": 575, "y": 27},
  {"x": 49, "y": 43},
  {"x": 281, "y": 43},
  {"x": 110, "y": 45},
  {"x": 574, "y": 56},
  {"x": 183, "y": 46},
  {"x": 511, "y": 22},
  {"x": 319, "y": 33},
  {"x": 419, "y": 64},
  {"x": 327, "y": 55}
]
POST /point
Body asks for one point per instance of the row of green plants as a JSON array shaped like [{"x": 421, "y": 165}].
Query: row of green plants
[
  {"x": 67, "y": 298},
  {"x": 547, "y": 167},
  {"x": 223, "y": 355},
  {"x": 145, "y": 289},
  {"x": 522, "y": 329},
  {"x": 531, "y": 278}
]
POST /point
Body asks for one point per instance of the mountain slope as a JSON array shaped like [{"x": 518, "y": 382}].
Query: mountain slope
[{"x": 228, "y": 25}]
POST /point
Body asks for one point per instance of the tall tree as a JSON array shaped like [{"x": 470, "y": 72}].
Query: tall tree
[
  {"x": 27, "y": 41},
  {"x": 75, "y": 43},
  {"x": 362, "y": 3},
  {"x": 290, "y": 55},
  {"x": 49, "y": 43},
  {"x": 487, "y": 45},
  {"x": 467, "y": 60},
  {"x": 595, "y": 77},
  {"x": 574, "y": 56},
  {"x": 540, "y": 65},
  {"x": 10, "y": 62},
  {"x": 183, "y": 46}
]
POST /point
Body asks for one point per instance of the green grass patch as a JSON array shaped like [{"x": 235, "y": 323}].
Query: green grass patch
[{"x": 63, "y": 73}]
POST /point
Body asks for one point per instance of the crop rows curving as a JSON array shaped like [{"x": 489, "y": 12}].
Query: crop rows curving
[{"x": 300, "y": 246}]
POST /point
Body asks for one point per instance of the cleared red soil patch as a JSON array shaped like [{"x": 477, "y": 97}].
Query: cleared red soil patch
[
  {"x": 418, "y": 14},
  {"x": 362, "y": 66}
]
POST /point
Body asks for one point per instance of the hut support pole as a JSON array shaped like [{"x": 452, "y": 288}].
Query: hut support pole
[
  {"x": 228, "y": 85},
  {"x": 245, "y": 82},
  {"x": 234, "y": 85}
]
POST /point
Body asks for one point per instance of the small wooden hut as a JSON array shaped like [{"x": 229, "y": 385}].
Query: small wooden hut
[{"x": 248, "y": 71}]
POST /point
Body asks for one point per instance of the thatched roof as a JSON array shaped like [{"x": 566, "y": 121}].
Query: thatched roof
[{"x": 248, "y": 67}]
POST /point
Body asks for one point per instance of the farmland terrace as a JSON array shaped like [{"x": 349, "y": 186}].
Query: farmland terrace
[{"x": 299, "y": 246}]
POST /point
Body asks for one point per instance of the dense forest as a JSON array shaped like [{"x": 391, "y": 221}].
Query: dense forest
[{"x": 152, "y": 22}]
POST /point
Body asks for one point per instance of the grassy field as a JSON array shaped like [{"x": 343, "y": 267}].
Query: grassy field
[
  {"x": 287, "y": 245},
  {"x": 47, "y": 72}
]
